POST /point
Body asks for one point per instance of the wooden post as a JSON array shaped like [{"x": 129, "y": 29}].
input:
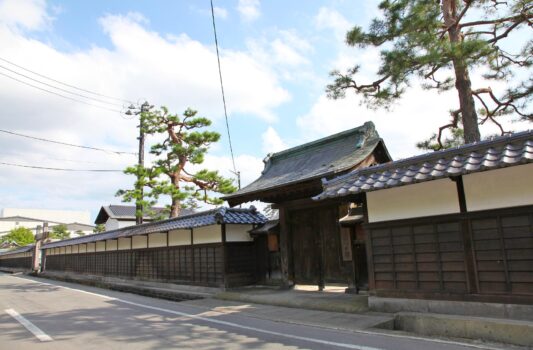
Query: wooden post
[
  {"x": 225, "y": 255},
  {"x": 470, "y": 261},
  {"x": 192, "y": 257},
  {"x": 284, "y": 247}
]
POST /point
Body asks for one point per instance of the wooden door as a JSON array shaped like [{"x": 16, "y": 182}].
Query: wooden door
[{"x": 305, "y": 250}]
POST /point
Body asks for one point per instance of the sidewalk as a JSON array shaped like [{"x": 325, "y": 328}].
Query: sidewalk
[{"x": 332, "y": 300}]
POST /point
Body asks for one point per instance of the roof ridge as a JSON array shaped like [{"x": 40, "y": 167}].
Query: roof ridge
[
  {"x": 433, "y": 156},
  {"x": 215, "y": 211},
  {"x": 369, "y": 125}
]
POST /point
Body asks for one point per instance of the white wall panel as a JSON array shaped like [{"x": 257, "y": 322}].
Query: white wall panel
[{"x": 411, "y": 201}]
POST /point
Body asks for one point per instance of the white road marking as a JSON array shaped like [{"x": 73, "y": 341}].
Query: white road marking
[
  {"x": 313, "y": 340},
  {"x": 37, "y": 332}
]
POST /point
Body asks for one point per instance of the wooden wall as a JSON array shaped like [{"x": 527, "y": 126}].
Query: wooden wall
[
  {"x": 19, "y": 262},
  {"x": 201, "y": 264},
  {"x": 487, "y": 254}
]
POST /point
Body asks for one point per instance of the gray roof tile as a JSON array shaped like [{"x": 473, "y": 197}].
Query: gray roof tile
[
  {"x": 206, "y": 218},
  {"x": 499, "y": 152}
]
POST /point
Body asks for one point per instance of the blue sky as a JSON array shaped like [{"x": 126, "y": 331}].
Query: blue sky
[{"x": 276, "y": 56}]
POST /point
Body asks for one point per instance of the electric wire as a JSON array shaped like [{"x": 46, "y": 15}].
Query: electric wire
[
  {"x": 62, "y": 169},
  {"x": 61, "y": 89},
  {"x": 65, "y": 84},
  {"x": 60, "y": 95},
  {"x": 222, "y": 89},
  {"x": 67, "y": 144}
]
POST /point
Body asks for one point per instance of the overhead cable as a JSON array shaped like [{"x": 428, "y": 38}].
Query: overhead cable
[
  {"x": 58, "y": 94},
  {"x": 61, "y": 89},
  {"x": 62, "y": 169},
  {"x": 222, "y": 89},
  {"x": 66, "y": 144},
  {"x": 65, "y": 84}
]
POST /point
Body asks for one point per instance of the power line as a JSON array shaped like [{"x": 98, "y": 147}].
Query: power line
[
  {"x": 65, "y": 84},
  {"x": 60, "y": 89},
  {"x": 54, "y": 158},
  {"x": 60, "y": 95},
  {"x": 223, "y": 94},
  {"x": 65, "y": 143},
  {"x": 62, "y": 169}
]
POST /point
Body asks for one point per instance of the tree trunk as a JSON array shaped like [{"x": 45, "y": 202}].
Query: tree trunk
[
  {"x": 175, "y": 207},
  {"x": 462, "y": 78}
]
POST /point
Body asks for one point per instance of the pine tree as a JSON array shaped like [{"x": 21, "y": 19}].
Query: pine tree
[
  {"x": 440, "y": 41},
  {"x": 185, "y": 143}
]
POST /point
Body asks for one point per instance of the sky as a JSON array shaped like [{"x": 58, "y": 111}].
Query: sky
[{"x": 275, "y": 55}]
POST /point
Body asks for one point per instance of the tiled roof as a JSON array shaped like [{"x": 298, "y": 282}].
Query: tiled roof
[
  {"x": 127, "y": 212},
  {"x": 497, "y": 153},
  {"x": 24, "y": 249},
  {"x": 323, "y": 157},
  {"x": 206, "y": 218}
]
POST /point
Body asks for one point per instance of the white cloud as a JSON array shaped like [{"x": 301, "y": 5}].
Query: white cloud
[
  {"x": 27, "y": 14},
  {"x": 328, "y": 18},
  {"x": 249, "y": 9},
  {"x": 140, "y": 64},
  {"x": 220, "y": 12},
  {"x": 285, "y": 53},
  {"x": 272, "y": 142},
  {"x": 416, "y": 117}
]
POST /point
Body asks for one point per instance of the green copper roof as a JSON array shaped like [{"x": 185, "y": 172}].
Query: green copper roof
[{"x": 330, "y": 155}]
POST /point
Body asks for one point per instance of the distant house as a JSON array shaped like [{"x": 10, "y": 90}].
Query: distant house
[
  {"x": 31, "y": 218},
  {"x": 119, "y": 216},
  {"x": 76, "y": 229}
]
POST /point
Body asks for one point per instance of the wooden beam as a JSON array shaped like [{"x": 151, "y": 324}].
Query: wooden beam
[{"x": 284, "y": 247}]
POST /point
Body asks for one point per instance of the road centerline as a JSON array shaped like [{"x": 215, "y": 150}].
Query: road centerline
[{"x": 36, "y": 331}]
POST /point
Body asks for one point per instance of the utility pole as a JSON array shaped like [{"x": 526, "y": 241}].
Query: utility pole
[{"x": 145, "y": 107}]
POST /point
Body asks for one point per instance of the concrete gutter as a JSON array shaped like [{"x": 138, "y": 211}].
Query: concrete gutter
[
  {"x": 167, "y": 291},
  {"x": 461, "y": 308},
  {"x": 487, "y": 329},
  {"x": 320, "y": 301}
]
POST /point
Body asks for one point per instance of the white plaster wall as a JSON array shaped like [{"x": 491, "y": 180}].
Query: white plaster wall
[
  {"x": 125, "y": 223},
  {"x": 62, "y": 250},
  {"x": 100, "y": 246},
  {"x": 68, "y": 249},
  {"x": 76, "y": 249},
  {"x": 157, "y": 240},
  {"x": 83, "y": 248},
  {"x": 124, "y": 243},
  {"x": 423, "y": 199},
  {"x": 501, "y": 188},
  {"x": 207, "y": 234},
  {"x": 91, "y": 247},
  {"x": 179, "y": 237},
  {"x": 111, "y": 244},
  {"x": 111, "y": 224},
  {"x": 139, "y": 242},
  {"x": 238, "y": 233}
]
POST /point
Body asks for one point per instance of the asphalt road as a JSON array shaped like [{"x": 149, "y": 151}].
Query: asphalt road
[{"x": 43, "y": 314}]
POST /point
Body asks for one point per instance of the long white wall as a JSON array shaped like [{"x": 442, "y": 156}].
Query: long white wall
[
  {"x": 201, "y": 235},
  {"x": 423, "y": 199},
  {"x": 501, "y": 188}
]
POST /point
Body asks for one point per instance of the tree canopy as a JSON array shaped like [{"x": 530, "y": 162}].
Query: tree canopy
[
  {"x": 60, "y": 232},
  {"x": 185, "y": 141},
  {"x": 21, "y": 236},
  {"x": 440, "y": 41}
]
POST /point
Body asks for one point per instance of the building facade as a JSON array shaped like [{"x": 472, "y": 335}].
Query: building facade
[{"x": 455, "y": 224}]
